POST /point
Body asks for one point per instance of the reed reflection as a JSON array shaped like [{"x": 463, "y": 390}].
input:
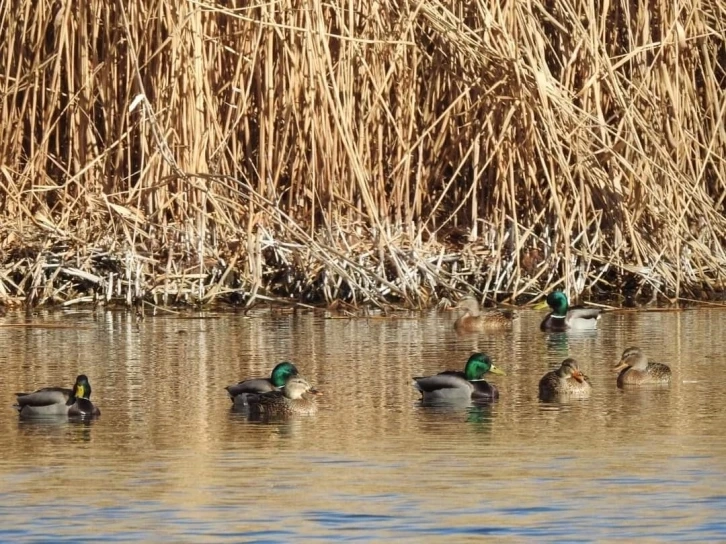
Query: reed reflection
[{"x": 170, "y": 443}]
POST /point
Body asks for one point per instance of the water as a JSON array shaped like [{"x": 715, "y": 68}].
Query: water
[{"x": 169, "y": 460}]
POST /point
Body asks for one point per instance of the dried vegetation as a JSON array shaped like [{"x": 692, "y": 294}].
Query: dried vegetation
[{"x": 369, "y": 152}]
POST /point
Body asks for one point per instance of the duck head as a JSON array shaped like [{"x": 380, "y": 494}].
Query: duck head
[
  {"x": 297, "y": 386},
  {"x": 570, "y": 369},
  {"x": 478, "y": 365},
  {"x": 82, "y": 387},
  {"x": 282, "y": 372},
  {"x": 632, "y": 357}
]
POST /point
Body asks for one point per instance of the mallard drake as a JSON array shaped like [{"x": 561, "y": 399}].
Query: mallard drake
[
  {"x": 468, "y": 385},
  {"x": 566, "y": 380},
  {"x": 297, "y": 397},
  {"x": 635, "y": 369},
  {"x": 279, "y": 375},
  {"x": 475, "y": 320},
  {"x": 563, "y": 318},
  {"x": 58, "y": 401}
]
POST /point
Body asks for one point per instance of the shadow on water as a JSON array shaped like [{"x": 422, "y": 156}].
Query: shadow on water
[
  {"x": 560, "y": 402},
  {"x": 259, "y": 429},
  {"x": 563, "y": 343},
  {"x": 481, "y": 410},
  {"x": 76, "y": 429},
  {"x": 478, "y": 417}
]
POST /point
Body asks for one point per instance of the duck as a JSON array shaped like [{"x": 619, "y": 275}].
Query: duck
[
  {"x": 296, "y": 397},
  {"x": 474, "y": 320},
  {"x": 566, "y": 380},
  {"x": 59, "y": 401},
  {"x": 468, "y": 385},
  {"x": 238, "y": 392},
  {"x": 634, "y": 369},
  {"x": 563, "y": 318}
]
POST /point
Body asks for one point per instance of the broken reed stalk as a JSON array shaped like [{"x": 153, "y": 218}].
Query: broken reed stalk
[{"x": 393, "y": 153}]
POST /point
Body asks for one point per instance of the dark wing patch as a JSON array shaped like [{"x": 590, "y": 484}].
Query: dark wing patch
[
  {"x": 254, "y": 385},
  {"x": 484, "y": 390}
]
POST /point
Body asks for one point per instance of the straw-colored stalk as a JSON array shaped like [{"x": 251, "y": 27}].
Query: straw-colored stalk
[{"x": 369, "y": 152}]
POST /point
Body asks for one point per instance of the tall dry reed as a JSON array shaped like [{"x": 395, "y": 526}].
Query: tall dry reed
[{"x": 370, "y": 152}]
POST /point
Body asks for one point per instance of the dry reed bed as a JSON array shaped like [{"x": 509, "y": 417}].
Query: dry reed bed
[{"x": 383, "y": 152}]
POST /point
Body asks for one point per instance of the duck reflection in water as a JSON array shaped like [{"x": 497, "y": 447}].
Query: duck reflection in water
[
  {"x": 440, "y": 418},
  {"x": 37, "y": 431},
  {"x": 480, "y": 417}
]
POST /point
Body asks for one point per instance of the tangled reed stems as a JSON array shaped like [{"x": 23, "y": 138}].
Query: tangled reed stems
[{"x": 383, "y": 152}]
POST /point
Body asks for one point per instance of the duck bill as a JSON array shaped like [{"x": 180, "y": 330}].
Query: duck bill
[
  {"x": 496, "y": 370},
  {"x": 541, "y": 305},
  {"x": 79, "y": 391},
  {"x": 314, "y": 391},
  {"x": 578, "y": 376},
  {"x": 621, "y": 366}
]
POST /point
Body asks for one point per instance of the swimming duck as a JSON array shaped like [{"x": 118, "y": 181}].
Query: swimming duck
[
  {"x": 279, "y": 375},
  {"x": 474, "y": 320},
  {"x": 468, "y": 385},
  {"x": 58, "y": 401},
  {"x": 563, "y": 318},
  {"x": 293, "y": 399},
  {"x": 566, "y": 380},
  {"x": 635, "y": 369}
]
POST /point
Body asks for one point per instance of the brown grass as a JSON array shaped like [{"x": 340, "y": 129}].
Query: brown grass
[{"x": 371, "y": 152}]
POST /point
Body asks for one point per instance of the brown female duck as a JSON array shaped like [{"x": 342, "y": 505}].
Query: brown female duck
[
  {"x": 297, "y": 397},
  {"x": 568, "y": 380},
  {"x": 635, "y": 369},
  {"x": 474, "y": 320}
]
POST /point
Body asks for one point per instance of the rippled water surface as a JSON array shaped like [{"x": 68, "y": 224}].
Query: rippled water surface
[{"x": 168, "y": 459}]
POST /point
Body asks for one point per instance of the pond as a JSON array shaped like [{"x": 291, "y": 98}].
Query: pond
[{"x": 169, "y": 459}]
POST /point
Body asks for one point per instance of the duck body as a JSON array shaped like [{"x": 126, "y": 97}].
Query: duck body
[
  {"x": 564, "y": 318},
  {"x": 460, "y": 386},
  {"x": 58, "y": 401},
  {"x": 567, "y": 380},
  {"x": 635, "y": 369},
  {"x": 297, "y": 397},
  {"x": 474, "y": 320},
  {"x": 240, "y": 392},
  {"x": 452, "y": 386}
]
